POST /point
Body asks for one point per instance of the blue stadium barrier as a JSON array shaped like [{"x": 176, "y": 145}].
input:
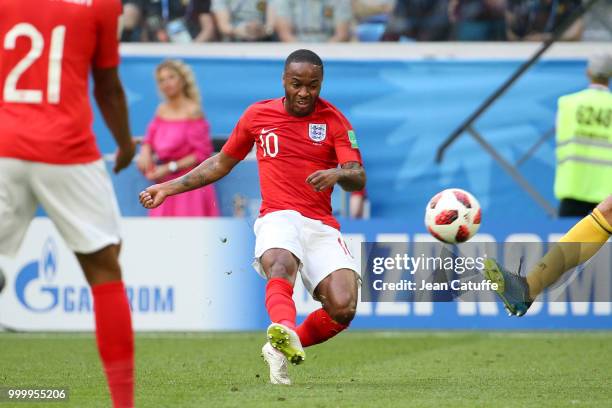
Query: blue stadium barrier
[{"x": 401, "y": 111}]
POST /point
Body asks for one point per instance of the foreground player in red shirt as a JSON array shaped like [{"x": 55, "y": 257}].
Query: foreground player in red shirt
[
  {"x": 48, "y": 153},
  {"x": 300, "y": 141}
]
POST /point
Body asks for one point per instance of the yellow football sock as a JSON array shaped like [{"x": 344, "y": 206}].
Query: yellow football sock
[{"x": 578, "y": 245}]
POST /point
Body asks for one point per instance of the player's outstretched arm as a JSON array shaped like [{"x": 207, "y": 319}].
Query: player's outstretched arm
[
  {"x": 351, "y": 177},
  {"x": 207, "y": 172},
  {"x": 110, "y": 97}
]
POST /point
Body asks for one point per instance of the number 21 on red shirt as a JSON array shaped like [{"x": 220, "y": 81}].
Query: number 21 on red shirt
[{"x": 37, "y": 44}]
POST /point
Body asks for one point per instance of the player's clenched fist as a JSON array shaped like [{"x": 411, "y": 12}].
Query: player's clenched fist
[{"x": 153, "y": 196}]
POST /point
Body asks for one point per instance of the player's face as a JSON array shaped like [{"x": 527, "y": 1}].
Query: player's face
[
  {"x": 169, "y": 82},
  {"x": 302, "y": 82}
]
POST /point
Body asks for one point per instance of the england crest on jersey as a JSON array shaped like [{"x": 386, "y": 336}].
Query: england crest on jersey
[{"x": 317, "y": 131}]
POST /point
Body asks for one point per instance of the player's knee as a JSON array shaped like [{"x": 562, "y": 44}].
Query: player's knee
[
  {"x": 279, "y": 263},
  {"x": 343, "y": 315},
  {"x": 606, "y": 208},
  {"x": 343, "y": 310},
  {"x": 279, "y": 269}
]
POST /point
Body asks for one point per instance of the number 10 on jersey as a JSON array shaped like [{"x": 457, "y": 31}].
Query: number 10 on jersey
[{"x": 269, "y": 144}]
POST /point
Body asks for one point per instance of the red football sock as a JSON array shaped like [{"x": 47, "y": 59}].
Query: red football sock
[
  {"x": 317, "y": 328},
  {"x": 115, "y": 341},
  {"x": 279, "y": 302}
]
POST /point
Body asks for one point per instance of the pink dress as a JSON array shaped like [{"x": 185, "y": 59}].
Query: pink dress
[{"x": 172, "y": 140}]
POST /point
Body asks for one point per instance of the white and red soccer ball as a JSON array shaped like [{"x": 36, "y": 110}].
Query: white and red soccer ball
[{"x": 453, "y": 216}]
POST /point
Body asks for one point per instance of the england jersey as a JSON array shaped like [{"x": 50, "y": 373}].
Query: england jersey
[
  {"x": 47, "y": 49},
  {"x": 289, "y": 149}
]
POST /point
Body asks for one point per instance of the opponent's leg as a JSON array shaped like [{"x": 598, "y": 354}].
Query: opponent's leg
[
  {"x": 338, "y": 294},
  {"x": 114, "y": 335},
  {"x": 578, "y": 245}
]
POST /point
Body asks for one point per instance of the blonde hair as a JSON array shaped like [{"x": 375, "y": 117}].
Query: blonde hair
[{"x": 184, "y": 71}]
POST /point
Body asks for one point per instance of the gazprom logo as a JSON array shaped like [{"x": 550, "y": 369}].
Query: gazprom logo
[
  {"x": 37, "y": 276},
  {"x": 38, "y": 292}
]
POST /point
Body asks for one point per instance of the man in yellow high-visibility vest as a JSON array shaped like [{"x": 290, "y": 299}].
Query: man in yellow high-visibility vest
[{"x": 584, "y": 143}]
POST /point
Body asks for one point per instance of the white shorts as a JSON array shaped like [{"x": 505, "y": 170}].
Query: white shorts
[
  {"x": 79, "y": 199},
  {"x": 320, "y": 248}
]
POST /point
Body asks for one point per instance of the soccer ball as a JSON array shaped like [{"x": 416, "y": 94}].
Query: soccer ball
[{"x": 452, "y": 216}]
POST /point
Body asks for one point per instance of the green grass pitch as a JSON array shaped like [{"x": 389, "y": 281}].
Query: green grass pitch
[{"x": 357, "y": 369}]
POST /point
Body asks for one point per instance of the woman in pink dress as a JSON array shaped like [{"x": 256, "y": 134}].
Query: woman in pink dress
[{"x": 177, "y": 140}]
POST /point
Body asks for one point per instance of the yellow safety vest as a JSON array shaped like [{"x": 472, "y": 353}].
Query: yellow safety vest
[{"x": 584, "y": 146}]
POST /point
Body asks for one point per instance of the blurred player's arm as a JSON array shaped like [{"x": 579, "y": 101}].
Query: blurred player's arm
[
  {"x": 110, "y": 97},
  {"x": 207, "y": 172},
  {"x": 351, "y": 177}
]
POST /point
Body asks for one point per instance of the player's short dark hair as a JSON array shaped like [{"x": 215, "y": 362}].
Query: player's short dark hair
[{"x": 304, "y": 56}]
